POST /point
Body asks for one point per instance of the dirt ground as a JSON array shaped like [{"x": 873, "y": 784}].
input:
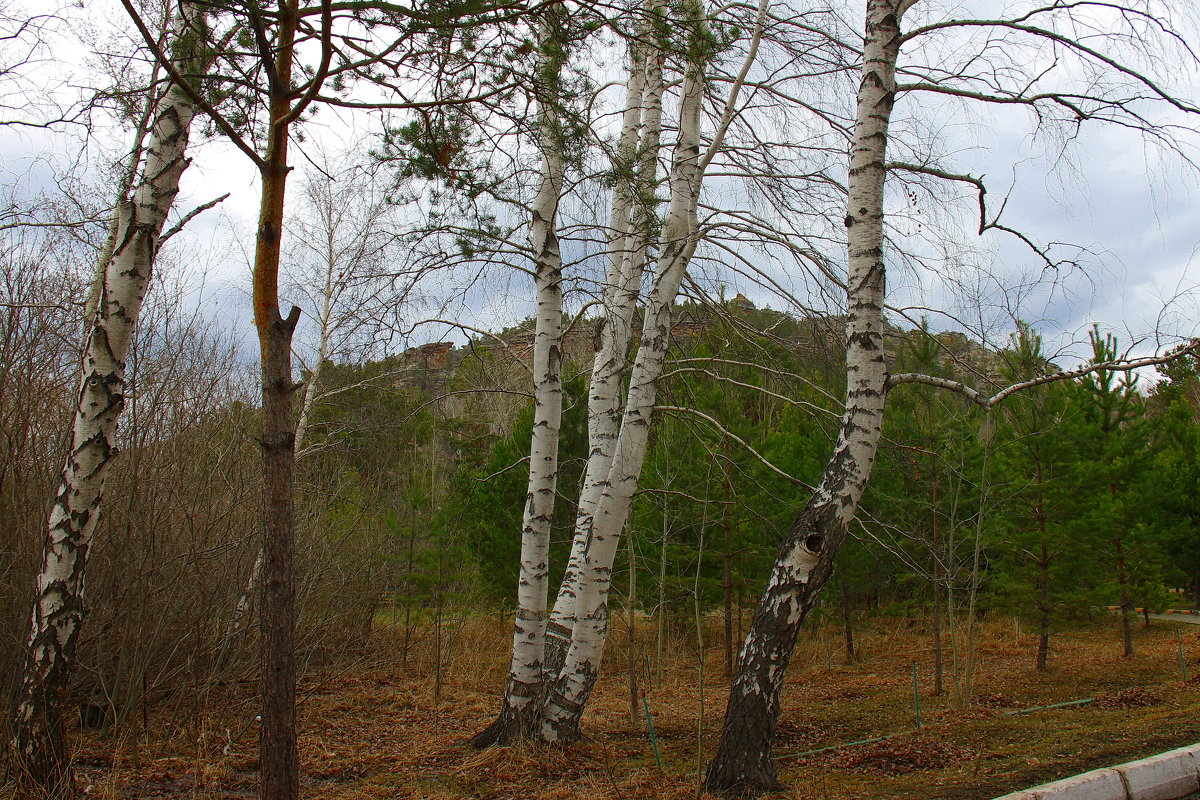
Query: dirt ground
[{"x": 388, "y": 729}]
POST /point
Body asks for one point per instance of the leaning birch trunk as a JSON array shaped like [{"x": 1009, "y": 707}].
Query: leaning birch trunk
[
  {"x": 637, "y": 155},
  {"x": 574, "y": 682},
  {"x": 41, "y": 761},
  {"x": 523, "y": 688},
  {"x": 743, "y": 763}
]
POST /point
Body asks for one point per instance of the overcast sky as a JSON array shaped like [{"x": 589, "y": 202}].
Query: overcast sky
[{"x": 1135, "y": 212}]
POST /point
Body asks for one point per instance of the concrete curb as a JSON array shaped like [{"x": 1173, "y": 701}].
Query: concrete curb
[
  {"x": 1166, "y": 776},
  {"x": 1164, "y": 611}
]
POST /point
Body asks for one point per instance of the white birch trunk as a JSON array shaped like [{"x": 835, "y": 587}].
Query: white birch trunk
[
  {"x": 630, "y": 218},
  {"x": 38, "y": 745},
  {"x": 525, "y": 679},
  {"x": 601, "y": 533},
  {"x": 805, "y": 560},
  {"x": 573, "y": 685}
]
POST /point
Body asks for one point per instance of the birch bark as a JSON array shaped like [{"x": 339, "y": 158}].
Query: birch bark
[
  {"x": 631, "y": 216},
  {"x": 601, "y": 532},
  {"x": 523, "y": 689},
  {"x": 39, "y": 750},
  {"x": 743, "y": 763}
]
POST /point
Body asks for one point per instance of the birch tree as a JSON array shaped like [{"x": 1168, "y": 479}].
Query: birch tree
[
  {"x": 743, "y": 762},
  {"x": 540, "y": 648},
  {"x": 630, "y": 214},
  {"x": 599, "y": 529},
  {"x": 619, "y": 421},
  {"x": 744, "y": 758},
  {"x": 40, "y": 753},
  {"x": 522, "y": 691}
]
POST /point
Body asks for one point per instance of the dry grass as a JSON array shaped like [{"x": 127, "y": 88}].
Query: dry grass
[{"x": 377, "y": 732}]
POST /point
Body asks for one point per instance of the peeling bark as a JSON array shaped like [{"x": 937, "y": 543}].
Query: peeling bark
[
  {"x": 40, "y": 757},
  {"x": 743, "y": 763}
]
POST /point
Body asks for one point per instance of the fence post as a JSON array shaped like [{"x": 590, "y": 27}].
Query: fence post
[
  {"x": 1182, "y": 659},
  {"x": 916, "y": 696}
]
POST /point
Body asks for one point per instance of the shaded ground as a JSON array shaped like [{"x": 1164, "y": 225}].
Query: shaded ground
[{"x": 388, "y": 731}]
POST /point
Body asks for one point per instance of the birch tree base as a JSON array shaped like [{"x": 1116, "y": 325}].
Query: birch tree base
[
  {"x": 512, "y": 725},
  {"x": 744, "y": 771},
  {"x": 40, "y": 766}
]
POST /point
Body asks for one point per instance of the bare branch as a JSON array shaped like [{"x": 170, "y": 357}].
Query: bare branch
[
  {"x": 761, "y": 389},
  {"x": 986, "y": 401},
  {"x": 731, "y": 435},
  {"x": 503, "y": 470},
  {"x": 191, "y": 215},
  {"x": 984, "y": 224},
  {"x": 734, "y": 90}
]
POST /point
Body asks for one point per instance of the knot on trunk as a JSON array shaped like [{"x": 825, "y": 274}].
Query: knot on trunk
[{"x": 279, "y": 442}]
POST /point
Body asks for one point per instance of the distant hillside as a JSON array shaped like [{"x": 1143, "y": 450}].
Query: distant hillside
[{"x": 488, "y": 377}]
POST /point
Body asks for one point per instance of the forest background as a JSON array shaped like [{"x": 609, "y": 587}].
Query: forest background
[{"x": 412, "y": 452}]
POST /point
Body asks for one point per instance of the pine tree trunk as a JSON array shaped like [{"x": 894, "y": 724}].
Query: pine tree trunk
[
  {"x": 39, "y": 752},
  {"x": 938, "y": 655},
  {"x": 743, "y": 762},
  {"x": 1125, "y": 603},
  {"x": 1119, "y": 546},
  {"x": 278, "y": 763},
  {"x": 277, "y": 621},
  {"x": 727, "y": 577},
  {"x": 631, "y": 656},
  {"x": 1043, "y": 652},
  {"x": 660, "y": 640},
  {"x": 524, "y": 687},
  {"x": 241, "y": 609}
]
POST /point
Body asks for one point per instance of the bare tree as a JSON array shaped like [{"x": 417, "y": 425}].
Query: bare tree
[{"x": 636, "y": 165}]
